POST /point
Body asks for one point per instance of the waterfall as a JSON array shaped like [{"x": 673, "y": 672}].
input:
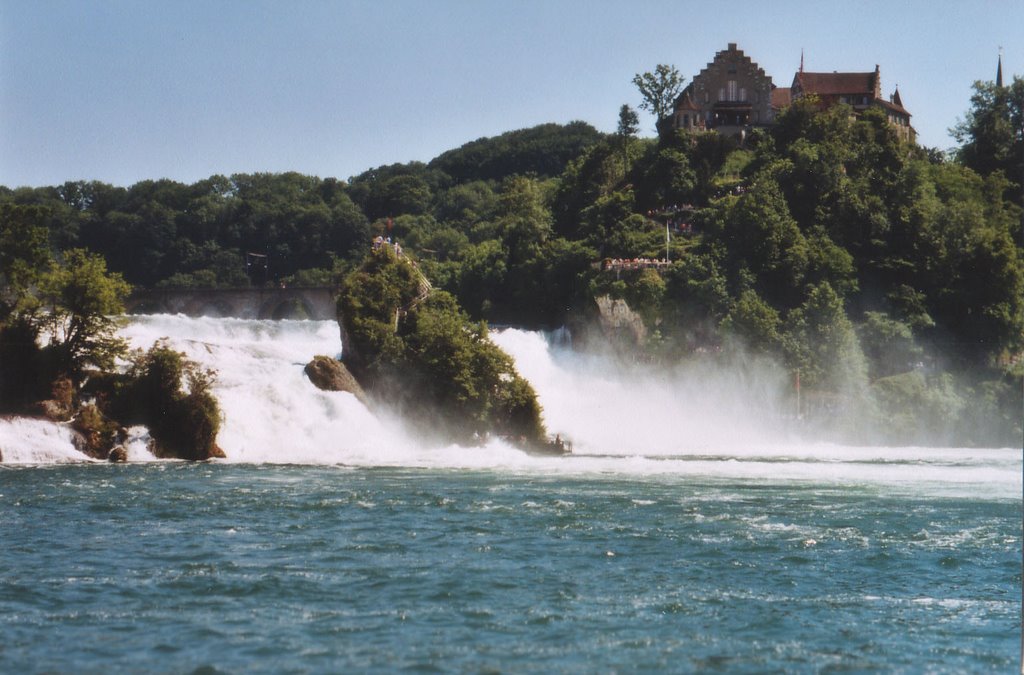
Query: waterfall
[{"x": 622, "y": 419}]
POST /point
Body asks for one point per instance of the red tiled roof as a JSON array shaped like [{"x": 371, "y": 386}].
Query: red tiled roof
[
  {"x": 685, "y": 101},
  {"x": 826, "y": 84},
  {"x": 894, "y": 106},
  {"x": 781, "y": 97}
]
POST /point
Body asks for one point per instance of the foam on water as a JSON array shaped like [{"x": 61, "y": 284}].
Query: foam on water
[
  {"x": 612, "y": 408},
  {"x": 621, "y": 420},
  {"x": 272, "y": 413},
  {"x": 31, "y": 441}
]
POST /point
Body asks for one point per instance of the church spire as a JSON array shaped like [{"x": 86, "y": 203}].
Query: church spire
[{"x": 999, "y": 69}]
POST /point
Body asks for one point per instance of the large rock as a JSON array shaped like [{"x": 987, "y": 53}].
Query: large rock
[
  {"x": 53, "y": 410},
  {"x": 619, "y": 320},
  {"x": 332, "y": 375},
  {"x": 60, "y": 406},
  {"x": 95, "y": 433},
  {"x": 162, "y": 451}
]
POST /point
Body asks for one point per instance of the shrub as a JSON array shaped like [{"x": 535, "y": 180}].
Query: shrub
[
  {"x": 99, "y": 433},
  {"x": 419, "y": 351},
  {"x": 171, "y": 396}
]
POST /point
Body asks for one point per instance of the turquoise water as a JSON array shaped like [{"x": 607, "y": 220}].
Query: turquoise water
[{"x": 167, "y": 567}]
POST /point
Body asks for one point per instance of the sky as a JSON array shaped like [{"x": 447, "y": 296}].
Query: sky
[{"x": 127, "y": 90}]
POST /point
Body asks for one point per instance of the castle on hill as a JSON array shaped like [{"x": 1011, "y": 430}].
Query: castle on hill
[{"x": 732, "y": 94}]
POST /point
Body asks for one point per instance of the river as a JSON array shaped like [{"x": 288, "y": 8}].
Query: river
[{"x": 690, "y": 530}]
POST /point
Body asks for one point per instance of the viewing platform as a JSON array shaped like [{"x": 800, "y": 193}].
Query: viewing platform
[
  {"x": 677, "y": 217},
  {"x": 633, "y": 263}
]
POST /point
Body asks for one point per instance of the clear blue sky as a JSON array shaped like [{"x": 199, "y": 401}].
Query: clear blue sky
[{"x": 124, "y": 90}]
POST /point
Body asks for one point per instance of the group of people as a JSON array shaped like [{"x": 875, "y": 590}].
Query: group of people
[
  {"x": 734, "y": 190},
  {"x": 678, "y": 223},
  {"x": 634, "y": 263},
  {"x": 380, "y": 241},
  {"x": 675, "y": 208},
  {"x": 681, "y": 225}
]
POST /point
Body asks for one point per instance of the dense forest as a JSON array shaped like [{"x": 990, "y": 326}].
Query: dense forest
[{"x": 890, "y": 276}]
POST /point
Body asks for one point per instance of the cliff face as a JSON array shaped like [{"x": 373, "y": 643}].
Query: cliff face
[
  {"x": 349, "y": 350},
  {"x": 619, "y": 321}
]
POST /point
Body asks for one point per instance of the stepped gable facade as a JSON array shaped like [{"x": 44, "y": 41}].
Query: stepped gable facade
[{"x": 732, "y": 94}]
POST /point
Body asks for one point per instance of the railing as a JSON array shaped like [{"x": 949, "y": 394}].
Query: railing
[{"x": 617, "y": 264}]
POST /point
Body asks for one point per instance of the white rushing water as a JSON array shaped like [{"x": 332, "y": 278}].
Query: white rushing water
[{"x": 621, "y": 420}]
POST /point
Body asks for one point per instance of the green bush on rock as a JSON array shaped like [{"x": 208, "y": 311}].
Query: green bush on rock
[
  {"x": 171, "y": 396},
  {"x": 418, "y": 351}
]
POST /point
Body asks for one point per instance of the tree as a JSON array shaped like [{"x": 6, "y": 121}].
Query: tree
[
  {"x": 629, "y": 124},
  {"x": 755, "y": 321},
  {"x": 482, "y": 278},
  {"x": 451, "y": 365},
  {"x": 659, "y": 91},
  {"x": 763, "y": 238},
  {"x": 544, "y": 150},
  {"x": 597, "y": 172},
  {"x": 561, "y": 279},
  {"x": 992, "y": 133},
  {"x": 172, "y": 396},
  {"x": 81, "y": 299},
  {"x": 395, "y": 189},
  {"x": 666, "y": 178},
  {"x": 822, "y": 344},
  {"x": 888, "y": 344},
  {"x": 463, "y": 205},
  {"x": 601, "y": 218},
  {"x": 24, "y": 254},
  {"x": 980, "y": 295},
  {"x": 524, "y": 219},
  {"x": 368, "y": 305},
  {"x": 696, "y": 300},
  {"x": 417, "y": 350}
]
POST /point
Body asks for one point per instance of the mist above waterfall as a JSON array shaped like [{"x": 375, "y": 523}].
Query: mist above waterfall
[
  {"x": 699, "y": 420},
  {"x": 607, "y": 405}
]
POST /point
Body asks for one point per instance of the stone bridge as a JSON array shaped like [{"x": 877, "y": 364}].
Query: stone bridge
[{"x": 299, "y": 302}]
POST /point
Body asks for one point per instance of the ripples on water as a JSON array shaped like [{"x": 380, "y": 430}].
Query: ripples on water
[
  {"x": 688, "y": 532},
  {"x": 172, "y": 567}
]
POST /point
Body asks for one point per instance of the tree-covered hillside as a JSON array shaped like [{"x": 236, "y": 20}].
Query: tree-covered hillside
[
  {"x": 161, "y": 232},
  {"x": 542, "y": 151},
  {"x": 889, "y": 276}
]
